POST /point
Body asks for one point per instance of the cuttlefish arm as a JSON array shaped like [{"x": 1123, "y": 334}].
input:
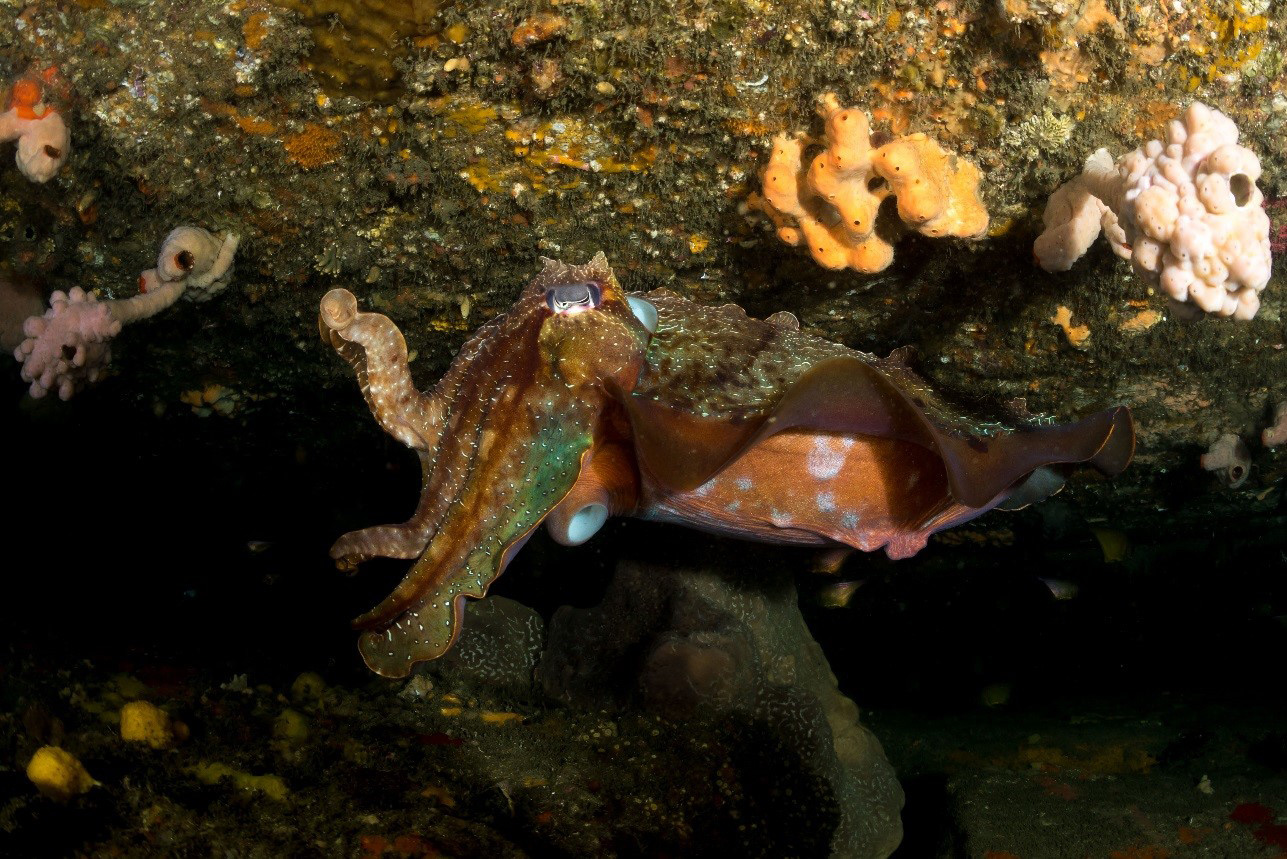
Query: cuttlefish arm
[
  {"x": 529, "y": 418},
  {"x": 377, "y": 351},
  {"x": 503, "y": 499},
  {"x": 404, "y": 541}
]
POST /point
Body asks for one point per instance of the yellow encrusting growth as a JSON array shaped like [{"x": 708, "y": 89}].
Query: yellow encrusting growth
[
  {"x": 1077, "y": 334},
  {"x": 1230, "y": 35},
  {"x": 143, "y": 722},
  {"x": 57, "y": 774},
  {"x": 270, "y": 786},
  {"x": 358, "y": 44},
  {"x": 492, "y": 717},
  {"x": 832, "y": 205},
  {"x": 290, "y": 728},
  {"x": 314, "y": 146},
  {"x": 308, "y": 688}
]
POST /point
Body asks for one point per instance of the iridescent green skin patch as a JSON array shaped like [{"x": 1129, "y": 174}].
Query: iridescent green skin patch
[
  {"x": 581, "y": 398},
  {"x": 500, "y": 502}
]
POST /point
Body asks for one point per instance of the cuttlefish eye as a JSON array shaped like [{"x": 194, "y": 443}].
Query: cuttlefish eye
[{"x": 572, "y": 298}]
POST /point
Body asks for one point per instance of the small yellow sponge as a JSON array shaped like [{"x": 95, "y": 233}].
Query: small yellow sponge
[
  {"x": 142, "y": 722},
  {"x": 308, "y": 688},
  {"x": 290, "y": 727},
  {"x": 269, "y": 785},
  {"x": 58, "y": 774}
]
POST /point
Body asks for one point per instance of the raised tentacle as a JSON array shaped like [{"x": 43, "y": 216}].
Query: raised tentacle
[{"x": 374, "y": 346}]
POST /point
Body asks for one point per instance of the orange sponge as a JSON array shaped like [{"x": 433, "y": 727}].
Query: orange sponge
[
  {"x": 831, "y": 206},
  {"x": 938, "y": 193}
]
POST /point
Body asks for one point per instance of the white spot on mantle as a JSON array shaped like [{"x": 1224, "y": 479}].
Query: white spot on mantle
[{"x": 827, "y": 456}]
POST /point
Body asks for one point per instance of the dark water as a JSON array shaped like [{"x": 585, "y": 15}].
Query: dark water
[
  {"x": 136, "y": 540},
  {"x": 211, "y": 534}
]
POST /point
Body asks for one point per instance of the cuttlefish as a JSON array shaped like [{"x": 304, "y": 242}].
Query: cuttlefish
[{"x": 583, "y": 402}]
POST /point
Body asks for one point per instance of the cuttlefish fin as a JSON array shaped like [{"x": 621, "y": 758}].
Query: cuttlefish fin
[
  {"x": 784, "y": 319},
  {"x": 684, "y": 450},
  {"x": 681, "y": 449},
  {"x": 848, "y": 396},
  {"x": 1042, "y": 483}
]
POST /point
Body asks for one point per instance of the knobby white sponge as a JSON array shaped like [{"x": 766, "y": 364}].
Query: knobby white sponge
[
  {"x": 1185, "y": 211},
  {"x": 1229, "y": 458},
  {"x": 32, "y": 119}
]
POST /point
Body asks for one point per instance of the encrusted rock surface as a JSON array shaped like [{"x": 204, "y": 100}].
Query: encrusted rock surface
[
  {"x": 506, "y": 135},
  {"x": 709, "y": 646}
]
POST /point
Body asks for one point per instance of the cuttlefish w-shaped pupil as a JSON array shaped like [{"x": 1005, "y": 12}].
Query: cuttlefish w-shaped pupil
[{"x": 573, "y": 297}]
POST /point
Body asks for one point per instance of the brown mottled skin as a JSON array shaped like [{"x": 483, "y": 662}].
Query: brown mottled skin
[{"x": 716, "y": 420}]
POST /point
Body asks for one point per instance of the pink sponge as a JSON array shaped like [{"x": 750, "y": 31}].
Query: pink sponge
[
  {"x": 68, "y": 347},
  {"x": 1185, "y": 211},
  {"x": 1275, "y": 435},
  {"x": 31, "y": 119},
  {"x": 1229, "y": 458}
]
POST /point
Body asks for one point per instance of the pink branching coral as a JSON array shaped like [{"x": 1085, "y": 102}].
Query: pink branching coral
[
  {"x": 43, "y": 139},
  {"x": 831, "y": 205},
  {"x": 1185, "y": 211},
  {"x": 69, "y": 346}
]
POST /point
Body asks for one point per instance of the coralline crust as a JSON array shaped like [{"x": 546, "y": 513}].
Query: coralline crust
[{"x": 831, "y": 206}]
